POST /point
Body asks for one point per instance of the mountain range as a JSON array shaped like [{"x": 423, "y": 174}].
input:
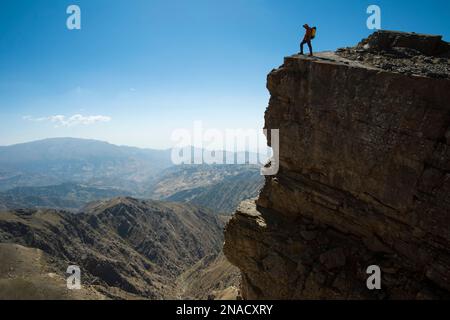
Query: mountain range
[
  {"x": 68, "y": 173},
  {"x": 68, "y": 196},
  {"x": 125, "y": 248},
  {"x": 75, "y": 202},
  {"x": 94, "y": 163}
]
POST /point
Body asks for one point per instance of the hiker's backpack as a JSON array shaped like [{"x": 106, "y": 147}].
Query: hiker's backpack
[{"x": 313, "y": 32}]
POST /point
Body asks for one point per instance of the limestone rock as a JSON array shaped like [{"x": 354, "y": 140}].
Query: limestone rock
[{"x": 364, "y": 180}]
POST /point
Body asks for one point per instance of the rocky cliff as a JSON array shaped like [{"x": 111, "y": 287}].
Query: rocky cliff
[{"x": 364, "y": 176}]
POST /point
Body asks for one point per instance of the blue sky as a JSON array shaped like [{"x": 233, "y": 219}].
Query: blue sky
[{"x": 146, "y": 67}]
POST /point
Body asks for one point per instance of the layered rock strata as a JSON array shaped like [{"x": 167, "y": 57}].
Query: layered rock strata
[{"x": 364, "y": 178}]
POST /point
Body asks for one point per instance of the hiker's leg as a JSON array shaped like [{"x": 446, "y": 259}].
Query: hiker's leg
[
  {"x": 301, "y": 46},
  {"x": 310, "y": 48}
]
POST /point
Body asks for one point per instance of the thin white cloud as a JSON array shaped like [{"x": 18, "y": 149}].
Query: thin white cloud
[{"x": 75, "y": 120}]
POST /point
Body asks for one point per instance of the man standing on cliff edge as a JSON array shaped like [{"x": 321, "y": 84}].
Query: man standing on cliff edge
[{"x": 309, "y": 35}]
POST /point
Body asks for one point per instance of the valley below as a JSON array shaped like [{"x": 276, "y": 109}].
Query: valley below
[
  {"x": 125, "y": 248},
  {"x": 136, "y": 226}
]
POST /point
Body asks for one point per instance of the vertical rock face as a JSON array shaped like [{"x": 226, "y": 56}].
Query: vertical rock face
[{"x": 364, "y": 178}]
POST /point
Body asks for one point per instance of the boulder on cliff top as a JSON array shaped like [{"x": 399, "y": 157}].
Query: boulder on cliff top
[
  {"x": 430, "y": 45},
  {"x": 401, "y": 52}
]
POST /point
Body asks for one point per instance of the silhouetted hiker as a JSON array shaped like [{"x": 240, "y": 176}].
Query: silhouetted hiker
[{"x": 309, "y": 35}]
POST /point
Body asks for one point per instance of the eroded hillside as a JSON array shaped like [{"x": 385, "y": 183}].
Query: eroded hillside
[{"x": 126, "y": 249}]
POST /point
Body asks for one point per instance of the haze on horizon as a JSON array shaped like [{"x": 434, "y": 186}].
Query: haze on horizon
[{"x": 137, "y": 71}]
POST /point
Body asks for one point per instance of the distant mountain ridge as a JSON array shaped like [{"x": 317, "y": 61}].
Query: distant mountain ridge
[
  {"x": 60, "y": 160},
  {"x": 68, "y": 173},
  {"x": 68, "y": 196}
]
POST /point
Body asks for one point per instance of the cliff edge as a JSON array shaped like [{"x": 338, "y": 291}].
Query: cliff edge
[{"x": 364, "y": 176}]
